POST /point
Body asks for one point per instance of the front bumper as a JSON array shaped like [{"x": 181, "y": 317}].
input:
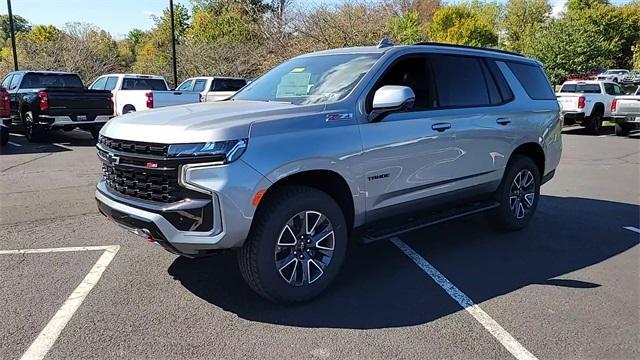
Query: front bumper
[
  {"x": 55, "y": 121},
  {"x": 231, "y": 187}
]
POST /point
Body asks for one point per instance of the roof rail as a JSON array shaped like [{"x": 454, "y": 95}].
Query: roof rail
[{"x": 469, "y": 47}]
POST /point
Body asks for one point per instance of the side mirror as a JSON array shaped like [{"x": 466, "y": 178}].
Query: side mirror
[{"x": 391, "y": 98}]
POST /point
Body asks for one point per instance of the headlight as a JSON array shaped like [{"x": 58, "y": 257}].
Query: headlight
[{"x": 228, "y": 151}]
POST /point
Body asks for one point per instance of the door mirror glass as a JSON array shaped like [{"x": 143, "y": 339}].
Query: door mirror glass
[{"x": 391, "y": 98}]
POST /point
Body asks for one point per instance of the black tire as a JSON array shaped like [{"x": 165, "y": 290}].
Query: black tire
[
  {"x": 32, "y": 131},
  {"x": 503, "y": 217},
  {"x": 4, "y": 135},
  {"x": 594, "y": 123},
  {"x": 128, "y": 109},
  {"x": 622, "y": 130},
  {"x": 95, "y": 132},
  {"x": 257, "y": 258}
]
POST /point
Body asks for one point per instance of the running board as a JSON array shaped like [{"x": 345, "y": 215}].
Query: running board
[{"x": 379, "y": 232}]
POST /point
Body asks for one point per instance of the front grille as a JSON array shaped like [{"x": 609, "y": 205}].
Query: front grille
[
  {"x": 135, "y": 147},
  {"x": 159, "y": 186}
]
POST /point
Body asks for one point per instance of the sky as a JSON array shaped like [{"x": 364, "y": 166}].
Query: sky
[{"x": 120, "y": 16}]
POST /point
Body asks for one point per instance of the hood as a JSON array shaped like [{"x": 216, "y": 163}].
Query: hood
[{"x": 201, "y": 122}]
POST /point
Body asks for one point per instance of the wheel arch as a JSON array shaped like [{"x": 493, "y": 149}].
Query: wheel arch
[
  {"x": 534, "y": 151},
  {"x": 327, "y": 181},
  {"x": 598, "y": 107}
]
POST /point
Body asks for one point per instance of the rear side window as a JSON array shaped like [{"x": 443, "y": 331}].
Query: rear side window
[
  {"x": 143, "y": 84},
  {"x": 533, "y": 80},
  {"x": 228, "y": 84},
  {"x": 459, "y": 81},
  {"x": 501, "y": 82}
]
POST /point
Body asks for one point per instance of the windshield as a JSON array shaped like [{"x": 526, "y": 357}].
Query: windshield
[
  {"x": 310, "y": 80},
  {"x": 47, "y": 80},
  {"x": 615, "y": 72}
]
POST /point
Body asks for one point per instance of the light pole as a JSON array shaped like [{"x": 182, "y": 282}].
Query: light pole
[
  {"x": 13, "y": 37},
  {"x": 173, "y": 45}
]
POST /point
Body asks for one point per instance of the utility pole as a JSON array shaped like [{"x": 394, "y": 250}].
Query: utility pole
[
  {"x": 173, "y": 45},
  {"x": 13, "y": 37}
]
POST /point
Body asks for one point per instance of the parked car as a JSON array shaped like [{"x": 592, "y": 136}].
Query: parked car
[
  {"x": 625, "y": 111},
  {"x": 328, "y": 144},
  {"x": 615, "y": 75},
  {"x": 135, "y": 92},
  {"x": 633, "y": 78},
  {"x": 587, "y": 102},
  {"x": 45, "y": 100},
  {"x": 213, "y": 88},
  {"x": 5, "y": 116}
]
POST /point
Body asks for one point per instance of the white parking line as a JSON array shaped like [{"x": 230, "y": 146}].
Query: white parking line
[
  {"x": 14, "y": 144},
  {"x": 48, "y": 336},
  {"x": 509, "y": 342},
  {"x": 62, "y": 146},
  {"x": 631, "y": 228}
]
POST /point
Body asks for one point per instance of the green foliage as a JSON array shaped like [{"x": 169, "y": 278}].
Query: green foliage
[
  {"x": 600, "y": 36},
  {"x": 407, "y": 29},
  {"x": 521, "y": 20},
  {"x": 472, "y": 23},
  {"x": 20, "y": 24},
  {"x": 248, "y": 37}
]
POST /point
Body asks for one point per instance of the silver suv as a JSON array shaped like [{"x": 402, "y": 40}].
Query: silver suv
[{"x": 321, "y": 148}]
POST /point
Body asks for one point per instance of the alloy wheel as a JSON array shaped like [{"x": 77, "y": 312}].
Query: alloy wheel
[
  {"x": 522, "y": 194},
  {"x": 304, "y": 248}
]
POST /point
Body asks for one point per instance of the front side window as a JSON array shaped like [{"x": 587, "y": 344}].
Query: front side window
[
  {"x": 310, "y": 80},
  {"x": 15, "y": 82},
  {"x": 111, "y": 83},
  {"x": 7, "y": 81},
  {"x": 199, "y": 85},
  {"x": 412, "y": 72},
  {"x": 185, "y": 86},
  {"x": 98, "y": 84}
]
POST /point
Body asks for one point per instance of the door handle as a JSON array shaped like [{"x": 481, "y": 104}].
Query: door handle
[
  {"x": 503, "y": 121},
  {"x": 441, "y": 126}
]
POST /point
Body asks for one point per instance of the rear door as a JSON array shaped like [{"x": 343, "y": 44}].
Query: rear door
[{"x": 473, "y": 96}]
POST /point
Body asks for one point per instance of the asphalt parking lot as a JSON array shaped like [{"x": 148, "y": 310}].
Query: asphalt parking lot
[{"x": 566, "y": 287}]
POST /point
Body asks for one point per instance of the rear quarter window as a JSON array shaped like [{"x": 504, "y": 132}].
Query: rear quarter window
[{"x": 533, "y": 80}]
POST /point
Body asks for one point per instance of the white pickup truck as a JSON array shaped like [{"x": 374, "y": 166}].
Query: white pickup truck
[
  {"x": 213, "y": 88},
  {"x": 625, "y": 111},
  {"x": 135, "y": 92},
  {"x": 587, "y": 102}
]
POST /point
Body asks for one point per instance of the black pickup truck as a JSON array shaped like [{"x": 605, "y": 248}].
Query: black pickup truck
[{"x": 45, "y": 100}]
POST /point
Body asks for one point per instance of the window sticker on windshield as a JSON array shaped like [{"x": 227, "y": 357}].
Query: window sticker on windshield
[
  {"x": 297, "y": 70},
  {"x": 294, "y": 84}
]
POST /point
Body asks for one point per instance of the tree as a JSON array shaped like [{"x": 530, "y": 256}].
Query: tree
[
  {"x": 521, "y": 20},
  {"x": 580, "y": 5},
  {"x": 407, "y": 28},
  {"x": 20, "y": 24},
  {"x": 582, "y": 41},
  {"x": 467, "y": 24}
]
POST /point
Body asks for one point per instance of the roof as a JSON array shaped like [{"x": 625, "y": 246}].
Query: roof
[
  {"x": 437, "y": 47},
  {"x": 44, "y": 72},
  {"x": 136, "y": 75},
  {"x": 587, "y": 82}
]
